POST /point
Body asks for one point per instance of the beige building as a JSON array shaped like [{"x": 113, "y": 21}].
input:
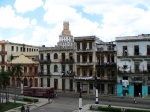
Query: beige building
[{"x": 13, "y": 53}]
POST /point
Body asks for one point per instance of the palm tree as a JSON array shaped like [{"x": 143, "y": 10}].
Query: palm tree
[
  {"x": 4, "y": 81},
  {"x": 17, "y": 72}
]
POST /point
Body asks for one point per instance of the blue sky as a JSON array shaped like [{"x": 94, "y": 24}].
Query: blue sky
[{"x": 40, "y": 22}]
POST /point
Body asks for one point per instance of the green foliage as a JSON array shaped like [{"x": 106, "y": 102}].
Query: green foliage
[
  {"x": 9, "y": 105},
  {"x": 134, "y": 110},
  {"x": 4, "y": 78},
  {"x": 110, "y": 109},
  {"x": 30, "y": 99}
]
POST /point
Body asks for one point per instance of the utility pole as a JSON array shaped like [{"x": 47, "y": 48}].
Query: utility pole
[{"x": 80, "y": 100}]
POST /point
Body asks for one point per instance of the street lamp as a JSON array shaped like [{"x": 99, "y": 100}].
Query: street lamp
[
  {"x": 96, "y": 102},
  {"x": 80, "y": 100}
]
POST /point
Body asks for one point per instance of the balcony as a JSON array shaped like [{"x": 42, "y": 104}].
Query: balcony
[
  {"x": 29, "y": 74},
  {"x": 44, "y": 61},
  {"x": 106, "y": 64},
  {"x": 2, "y": 52},
  {"x": 110, "y": 49},
  {"x": 67, "y": 61},
  {"x": 3, "y": 63},
  {"x": 84, "y": 78},
  {"x": 84, "y": 63},
  {"x": 107, "y": 78},
  {"x": 85, "y": 50},
  {"x": 44, "y": 74},
  {"x": 137, "y": 80},
  {"x": 68, "y": 74}
]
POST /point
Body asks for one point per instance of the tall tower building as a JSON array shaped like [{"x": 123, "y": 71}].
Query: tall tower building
[{"x": 65, "y": 39}]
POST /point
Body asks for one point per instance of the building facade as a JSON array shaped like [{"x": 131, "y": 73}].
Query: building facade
[
  {"x": 16, "y": 53},
  {"x": 133, "y": 64}
]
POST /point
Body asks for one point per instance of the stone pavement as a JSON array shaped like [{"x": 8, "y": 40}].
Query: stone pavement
[
  {"x": 42, "y": 102},
  {"x": 86, "y": 108}
]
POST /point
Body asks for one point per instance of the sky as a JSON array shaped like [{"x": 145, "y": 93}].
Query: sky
[{"x": 40, "y": 22}]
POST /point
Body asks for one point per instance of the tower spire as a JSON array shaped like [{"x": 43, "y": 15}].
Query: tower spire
[{"x": 66, "y": 30}]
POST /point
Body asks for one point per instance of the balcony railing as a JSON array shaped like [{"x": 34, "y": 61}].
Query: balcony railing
[
  {"x": 3, "y": 52},
  {"x": 106, "y": 64},
  {"x": 107, "y": 78},
  {"x": 68, "y": 74},
  {"x": 67, "y": 61},
  {"x": 30, "y": 74},
  {"x": 46, "y": 61},
  {"x": 44, "y": 74}
]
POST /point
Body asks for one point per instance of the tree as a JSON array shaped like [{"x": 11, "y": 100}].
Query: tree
[
  {"x": 4, "y": 82},
  {"x": 17, "y": 72}
]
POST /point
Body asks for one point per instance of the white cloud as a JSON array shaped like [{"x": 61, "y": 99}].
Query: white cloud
[
  {"x": 45, "y": 36},
  {"x": 34, "y": 22},
  {"x": 23, "y": 6},
  {"x": 8, "y": 19},
  {"x": 17, "y": 39}
]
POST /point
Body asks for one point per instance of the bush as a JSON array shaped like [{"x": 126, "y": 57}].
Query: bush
[
  {"x": 110, "y": 109},
  {"x": 30, "y": 99}
]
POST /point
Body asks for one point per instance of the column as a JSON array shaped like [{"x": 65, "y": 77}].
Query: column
[{"x": 106, "y": 89}]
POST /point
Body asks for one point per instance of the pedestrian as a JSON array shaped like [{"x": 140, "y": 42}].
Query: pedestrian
[
  {"x": 49, "y": 99},
  {"x": 22, "y": 109},
  {"x": 134, "y": 100},
  {"x": 109, "y": 105},
  {"x": 27, "y": 110},
  {"x": 122, "y": 96},
  {"x": 139, "y": 94}
]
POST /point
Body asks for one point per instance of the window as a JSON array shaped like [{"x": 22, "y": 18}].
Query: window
[
  {"x": 84, "y": 73},
  {"x": 48, "y": 82},
  {"x": 55, "y": 68},
  {"x": 30, "y": 69},
  {"x": 90, "y": 45},
  {"x": 136, "y": 50},
  {"x": 148, "y": 49},
  {"x": 3, "y": 48},
  {"x": 48, "y": 56},
  {"x": 78, "y": 71},
  {"x": 48, "y": 69},
  {"x": 78, "y": 58},
  {"x": 55, "y": 56},
  {"x": 41, "y": 82},
  {"x": 78, "y": 46},
  {"x": 20, "y": 49},
  {"x": 136, "y": 67},
  {"x": 16, "y": 48},
  {"x": 3, "y": 60},
  {"x": 42, "y": 69},
  {"x": 41, "y": 57},
  {"x": 63, "y": 68},
  {"x": 148, "y": 67},
  {"x": 12, "y": 48},
  {"x": 71, "y": 67},
  {"x": 84, "y": 46},
  {"x": 63, "y": 56},
  {"x": 91, "y": 86},
  {"x": 84, "y": 58},
  {"x": 25, "y": 69},
  {"x": 125, "y": 51},
  {"x": 90, "y": 58},
  {"x": 91, "y": 72}
]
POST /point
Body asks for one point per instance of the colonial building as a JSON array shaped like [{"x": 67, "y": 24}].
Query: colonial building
[
  {"x": 56, "y": 68},
  {"x": 85, "y": 50},
  {"x": 133, "y": 63},
  {"x": 30, "y": 67},
  {"x": 106, "y": 67},
  {"x": 13, "y": 53}
]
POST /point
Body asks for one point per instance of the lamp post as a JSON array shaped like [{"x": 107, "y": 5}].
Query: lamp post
[
  {"x": 96, "y": 101},
  {"x": 80, "y": 100}
]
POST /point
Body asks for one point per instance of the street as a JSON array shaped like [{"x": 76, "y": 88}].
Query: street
[{"x": 70, "y": 102}]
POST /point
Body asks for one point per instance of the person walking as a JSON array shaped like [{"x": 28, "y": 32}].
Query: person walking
[
  {"x": 27, "y": 110},
  {"x": 22, "y": 109},
  {"x": 49, "y": 99},
  {"x": 109, "y": 105},
  {"x": 134, "y": 100}
]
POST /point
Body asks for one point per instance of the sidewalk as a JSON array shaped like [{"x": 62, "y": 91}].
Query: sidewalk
[
  {"x": 86, "y": 108},
  {"x": 42, "y": 102}
]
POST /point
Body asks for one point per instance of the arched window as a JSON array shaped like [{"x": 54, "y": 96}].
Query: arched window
[
  {"x": 30, "y": 82},
  {"x": 55, "y": 68},
  {"x": 25, "y": 82},
  {"x": 55, "y": 56}
]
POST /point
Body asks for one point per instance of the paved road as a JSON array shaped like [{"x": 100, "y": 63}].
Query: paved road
[{"x": 69, "y": 103}]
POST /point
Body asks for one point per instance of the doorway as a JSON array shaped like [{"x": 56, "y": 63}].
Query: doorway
[
  {"x": 55, "y": 84},
  {"x": 137, "y": 89},
  {"x": 71, "y": 85},
  {"x": 63, "y": 84}
]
